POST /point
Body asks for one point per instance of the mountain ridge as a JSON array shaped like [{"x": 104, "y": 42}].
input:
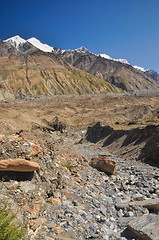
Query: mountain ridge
[
  {"x": 16, "y": 40},
  {"x": 37, "y": 73},
  {"x": 31, "y": 69}
]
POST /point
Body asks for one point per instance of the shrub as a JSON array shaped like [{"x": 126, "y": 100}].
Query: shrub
[
  {"x": 68, "y": 166},
  {"x": 8, "y": 229}
]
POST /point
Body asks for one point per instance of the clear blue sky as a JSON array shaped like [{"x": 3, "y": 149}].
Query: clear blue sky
[{"x": 120, "y": 28}]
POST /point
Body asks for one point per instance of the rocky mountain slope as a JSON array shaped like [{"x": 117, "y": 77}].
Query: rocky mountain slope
[
  {"x": 111, "y": 74},
  {"x": 32, "y": 72},
  {"x": 121, "y": 75},
  {"x": 152, "y": 74}
]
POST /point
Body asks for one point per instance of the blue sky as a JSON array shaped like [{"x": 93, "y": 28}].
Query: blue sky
[{"x": 120, "y": 28}]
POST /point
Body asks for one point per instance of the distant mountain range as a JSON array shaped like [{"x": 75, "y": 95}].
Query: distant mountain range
[{"x": 29, "y": 67}]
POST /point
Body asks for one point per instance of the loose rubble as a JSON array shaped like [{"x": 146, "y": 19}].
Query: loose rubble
[{"x": 69, "y": 199}]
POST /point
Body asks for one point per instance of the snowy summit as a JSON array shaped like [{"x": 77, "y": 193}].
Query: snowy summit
[
  {"x": 82, "y": 50},
  {"x": 16, "y": 41},
  {"x": 110, "y": 58},
  {"x": 43, "y": 47},
  {"x": 140, "y": 68}
]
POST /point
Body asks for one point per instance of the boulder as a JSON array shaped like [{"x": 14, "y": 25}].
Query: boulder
[
  {"x": 104, "y": 164},
  {"x": 145, "y": 227},
  {"x": 18, "y": 165}
]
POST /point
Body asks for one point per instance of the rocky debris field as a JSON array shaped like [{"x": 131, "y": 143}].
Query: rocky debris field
[{"x": 69, "y": 199}]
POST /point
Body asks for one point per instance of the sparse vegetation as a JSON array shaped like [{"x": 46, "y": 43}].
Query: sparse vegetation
[
  {"x": 8, "y": 229},
  {"x": 68, "y": 166},
  {"x": 151, "y": 121}
]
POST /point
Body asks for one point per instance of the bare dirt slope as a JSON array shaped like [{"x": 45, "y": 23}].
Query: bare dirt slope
[{"x": 79, "y": 112}]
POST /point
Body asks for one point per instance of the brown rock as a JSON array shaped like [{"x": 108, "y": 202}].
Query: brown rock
[
  {"x": 18, "y": 165},
  {"x": 157, "y": 193},
  {"x": 2, "y": 138},
  {"x": 35, "y": 150},
  {"x": 145, "y": 227},
  {"x": 27, "y": 208},
  {"x": 104, "y": 164},
  {"x": 58, "y": 229},
  {"x": 105, "y": 178},
  {"x": 97, "y": 184},
  {"x": 36, "y": 209},
  {"x": 55, "y": 200}
]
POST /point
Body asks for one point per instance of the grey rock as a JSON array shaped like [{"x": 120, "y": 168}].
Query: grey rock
[
  {"x": 152, "y": 204},
  {"x": 138, "y": 197},
  {"x": 27, "y": 186},
  {"x": 145, "y": 227}
]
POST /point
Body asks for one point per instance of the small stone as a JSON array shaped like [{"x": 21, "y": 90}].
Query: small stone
[
  {"x": 2, "y": 138},
  {"x": 75, "y": 203},
  {"x": 105, "y": 178},
  {"x": 138, "y": 197},
  {"x": 36, "y": 209},
  {"x": 55, "y": 200},
  {"x": 35, "y": 150},
  {"x": 57, "y": 229},
  {"x": 97, "y": 184},
  {"x": 27, "y": 186},
  {"x": 157, "y": 193},
  {"x": 129, "y": 214},
  {"x": 31, "y": 222},
  {"x": 27, "y": 208},
  {"x": 120, "y": 213}
]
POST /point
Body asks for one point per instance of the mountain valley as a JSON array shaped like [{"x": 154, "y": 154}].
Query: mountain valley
[{"x": 87, "y": 128}]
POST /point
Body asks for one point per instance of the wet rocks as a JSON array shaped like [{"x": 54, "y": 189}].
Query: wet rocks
[
  {"x": 18, "y": 165},
  {"x": 104, "y": 164}
]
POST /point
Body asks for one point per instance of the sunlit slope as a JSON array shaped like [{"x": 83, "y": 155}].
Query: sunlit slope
[{"x": 46, "y": 74}]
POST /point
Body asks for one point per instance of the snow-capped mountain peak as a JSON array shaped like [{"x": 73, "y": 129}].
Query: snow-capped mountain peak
[
  {"x": 15, "y": 41},
  {"x": 104, "y": 56},
  {"x": 140, "y": 69},
  {"x": 43, "y": 47},
  {"x": 110, "y": 58},
  {"x": 82, "y": 50},
  {"x": 19, "y": 42}
]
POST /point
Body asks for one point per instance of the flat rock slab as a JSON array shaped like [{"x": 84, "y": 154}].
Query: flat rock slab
[
  {"x": 150, "y": 204},
  {"x": 27, "y": 186},
  {"x": 18, "y": 165},
  {"x": 145, "y": 227}
]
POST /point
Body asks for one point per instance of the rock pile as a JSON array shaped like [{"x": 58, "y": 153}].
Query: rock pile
[{"x": 69, "y": 199}]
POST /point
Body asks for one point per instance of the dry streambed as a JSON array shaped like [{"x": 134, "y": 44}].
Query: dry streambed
[{"x": 67, "y": 198}]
